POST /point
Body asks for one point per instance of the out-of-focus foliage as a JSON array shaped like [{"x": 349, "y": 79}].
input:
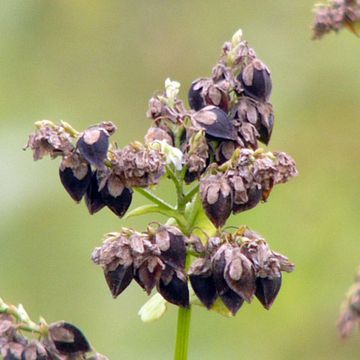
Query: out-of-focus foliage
[{"x": 89, "y": 61}]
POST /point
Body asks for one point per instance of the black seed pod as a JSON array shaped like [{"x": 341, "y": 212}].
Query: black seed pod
[
  {"x": 204, "y": 288},
  {"x": 230, "y": 298},
  {"x": 76, "y": 180},
  {"x": 267, "y": 290},
  {"x": 196, "y": 100},
  {"x": 172, "y": 246},
  {"x": 93, "y": 145},
  {"x": 215, "y": 122},
  {"x": 173, "y": 289},
  {"x": 116, "y": 196},
  {"x": 203, "y": 282},
  {"x": 216, "y": 197},
  {"x": 256, "y": 81},
  {"x": 119, "y": 279},
  {"x": 68, "y": 339},
  {"x": 93, "y": 198}
]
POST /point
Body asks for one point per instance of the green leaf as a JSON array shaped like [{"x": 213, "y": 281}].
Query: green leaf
[{"x": 142, "y": 210}]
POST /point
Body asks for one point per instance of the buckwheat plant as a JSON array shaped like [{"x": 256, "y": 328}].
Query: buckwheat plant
[
  {"x": 211, "y": 154},
  {"x": 336, "y": 15}
]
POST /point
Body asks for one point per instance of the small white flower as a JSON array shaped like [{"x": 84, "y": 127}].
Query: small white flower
[
  {"x": 172, "y": 154},
  {"x": 172, "y": 89},
  {"x": 236, "y": 38}
]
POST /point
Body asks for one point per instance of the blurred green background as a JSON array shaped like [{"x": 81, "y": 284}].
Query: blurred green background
[{"x": 88, "y": 61}]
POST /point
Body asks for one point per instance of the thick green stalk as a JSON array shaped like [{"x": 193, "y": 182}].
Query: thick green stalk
[{"x": 182, "y": 334}]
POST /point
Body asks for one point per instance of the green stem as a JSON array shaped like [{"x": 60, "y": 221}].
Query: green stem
[
  {"x": 179, "y": 188},
  {"x": 182, "y": 335},
  {"x": 153, "y": 198}
]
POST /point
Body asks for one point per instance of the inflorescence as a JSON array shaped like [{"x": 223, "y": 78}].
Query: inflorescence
[
  {"x": 336, "y": 15},
  {"x": 214, "y": 145},
  {"x": 56, "y": 341}
]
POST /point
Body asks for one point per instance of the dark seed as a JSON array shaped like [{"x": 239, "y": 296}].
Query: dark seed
[
  {"x": 74, "y": 186},
  {"x": 267, "y": 290},
  {"x": 215, "y": 122},
  {"x": 175, "y": 292},
  {"x": 204, "y": 288},
  {"x": 119, "y": 279},
  {"x": 196, "y": 100},
  {"x": 266, "y": 130},
  {"x": 117, "y": 204},
  {"x": 232, "y": 301},
  {"x": 68, "y": 339},
  {"x": 93, "y": 198},
  {"x": 175, "y": 256},
  {"x": 93, "y": 145},
  {"x": 256, "y": 80},
  {"x": 146, "y": 279}
]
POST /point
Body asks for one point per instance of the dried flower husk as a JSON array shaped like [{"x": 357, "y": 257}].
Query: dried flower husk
[
  {"x": 202, "y": 281},
  {"x": 93, "y": 143},
  {"x": 253, "y": 120},
  {"x": 216, "y": 197},
  {"x": 75, "y": 175},
  {"x": 196, "y": 155},
  {"x": 35, "y": 350},
  {"x": 225, "y": 150},
  {"x": 215, "y": 122},
  {"x": 49, "y": 139},
  {"x": 68, "y": 339},
  {"x": 158, "y": 134},
  {"x": 93, "y": 198},
  {"x": 12, "y": 351},
  {"x": 205, "y": 92},
  {"x": 256, "y": 80},
  {"x": 138, "y": 165}
]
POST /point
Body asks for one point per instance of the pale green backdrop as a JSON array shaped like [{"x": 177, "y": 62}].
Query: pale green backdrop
[{"x": 88, "y": 61}]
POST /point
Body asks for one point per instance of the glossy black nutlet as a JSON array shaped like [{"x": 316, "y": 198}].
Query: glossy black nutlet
[
  {"x": 204, "y": 288},
  {"x": 68, "y": 339},
  {"x": 175, "y": 291},
  {"x": 93, "y": 199},
  {"x": 93, "y": 145},
  {"x": 119, "y": 279},
  {"x": 74, "y": 183},
  {"x": 267, "y": 289},
  {"x": 215, "y": 122},
  {"x": 256, "y": 80},
  {"x": 196, "y": 100}
]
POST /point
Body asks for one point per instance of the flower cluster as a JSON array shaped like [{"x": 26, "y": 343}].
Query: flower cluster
[
  {"x": 237, "y": 267},
  {"x": 242, "y": 182},
  {"x": 349, "y": 318},
  {"x": 57, "y": 341},
  {"x": 229, "y": 110},
  {"x": 336, "y": 15},
  {"x": 153, "y": 258},
  {"x": 93, "y": 169},
  {"x": 215, "y": 144}
]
